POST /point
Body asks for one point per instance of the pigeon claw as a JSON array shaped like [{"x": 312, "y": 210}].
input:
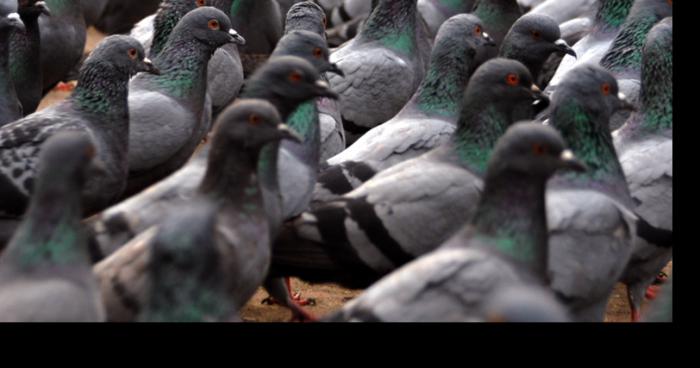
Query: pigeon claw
[{"x": 651, "y": 292}]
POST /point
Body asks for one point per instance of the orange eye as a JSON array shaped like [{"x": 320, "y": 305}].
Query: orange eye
[
  {"x": 253, "y": 119},
  {"x": 213, "y": 25},
  {"x": 477, "y": 30},
  {"x": 538, "y": 149},
  {"x": 512, "y": 79},
  {"x": 318, "y": 53},
  {"x": 295, "y": 77},
  {"x": 605, "y": 88},
  {"x": 132, "y": 54},
  {"x": 199, "y": 3},
  {"x": 536, "y": 34}
]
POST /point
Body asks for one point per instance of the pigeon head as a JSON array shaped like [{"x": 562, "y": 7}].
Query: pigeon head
[
  {"x": 9, "y": 18},
  {"x": 503, "y": 82},
  {"x": 308, "y": 46},
  {"x": 33, "y": 8},
  {"x": 307, "y": 16},
  {"x": 531, "y": 40},
  {"x": 209, "y": 26},
  {"x": 124, "y": 53},
  {"x": 169, "y": 14},
  {"x": 532, "y": 149},
  {"x": 462, "y": 32},
  {"x": 287, "y": 81},
  {"x": 252, "y": 123},
  {"x": 593, "y": 93}
]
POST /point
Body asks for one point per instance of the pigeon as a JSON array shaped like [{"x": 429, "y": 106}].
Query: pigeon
[
  {"x": 119, "y": 16},
  {"x": 408, "y": 209},
  {"x": 592, "y": 228},
  {"x": 92, "y": 10},
  {"x": 382, "y": 67},
  {"x": 427, "y": 120},
  {"x": 436, "y": 12},
  {"x": 645, "y": 147},
  {"x": 169, "y": 116},
  {"x": 45, "y": 273},
  {"x": 564, "y": 10},
  {"x": 309, "y": 16},
  {"x": 571, "y": 32},
  {"x": 260, "y": 22},
  {"x": 24, "y": 58},
  {"x": 531, "y": 40},
  {"x": 98, "y": 107},
  {"x": 298, "y": 163},
  {"x": 230, "y": 189},
  {"x": 63, "y": 39},
  {"x": 624, "y": 58},
  {"x": 503, "y": 246},
  {"x": 498, "y": 17},
  {"x": 10, "y": 106}
]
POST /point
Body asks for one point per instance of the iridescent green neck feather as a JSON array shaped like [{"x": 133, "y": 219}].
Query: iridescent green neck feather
[
  {"x": 102, "y": 89},
  {"x": 183, "y": 67},
  {"x": 612, "y": 13},
  {"x": 477, "y": 133},
  {"x": 165, "y": 21},
  {"x": 393, "y": 23}
]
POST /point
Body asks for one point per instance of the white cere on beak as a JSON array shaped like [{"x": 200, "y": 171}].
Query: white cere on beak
[
  {"x": 621, "y": 96},
  {"x": 14, "y": 16},
  {"x": 567, "y": 155},
  {"x": 561, "y": 42},
  {"x": 486, "y": 35},
  {"x": 147, "y": 61},
  {"x": 232, "y": 32},
  {"x": 322, "y": 84}
]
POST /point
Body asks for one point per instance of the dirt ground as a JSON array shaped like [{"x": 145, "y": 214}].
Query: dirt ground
[{"x": 331, "y": 297}]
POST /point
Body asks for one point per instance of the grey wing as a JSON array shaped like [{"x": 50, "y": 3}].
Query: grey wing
[
  {"x": 159, "y": 127},
  {"x": 377, "y": 84},
  {"x": 448, "y": 285},
  {"x": 224, "y": 76},
  {"x": 296, "y": 181},
  {"x": 332, "y": 132},
  {"x": 590, "y": 243}
]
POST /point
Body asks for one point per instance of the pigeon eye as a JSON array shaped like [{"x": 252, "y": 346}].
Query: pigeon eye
[
  {"x": 199, "y": 3},
  {"x": 536, "y": 34},
  {"x": 254, "y": 119},
  {"x": 132, "y": 54},
  {"x": 477, "y": 30},
  {"x": 214, "y": 25},
  {"x": 325, "y": 22},
  {"x": 539, "y": 149},
  {"x": 318, "y": 53},
  {"x": 295, "y": 77},
  {"x": 605, "y": 88},
  {"x": 512, "y": 79}
]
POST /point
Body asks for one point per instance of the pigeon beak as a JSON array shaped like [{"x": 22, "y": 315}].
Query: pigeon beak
[
  {"x": 489, "y": 40},
  {"x": 562, "y": 47},
  {"x": 624, "y": 103},
  {"x": 285, "y": 132},
  {"x": 15, "y": 21},
  {"x": 335, "y": 70},
  {"x": 148, "y": 67},
  {"x": 569, "y": 161},
  {"x": 235, "y": 37},
  {"x": 541, "y": 101},
  {"x": 323, "y": 90},
  {"x": 43, "y": 7}
]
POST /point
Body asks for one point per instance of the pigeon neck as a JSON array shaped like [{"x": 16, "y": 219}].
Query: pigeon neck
[
  {"x": 447, "y": 77},
  {"x": 497, "y": 16},
  {"x": 393, "y": 23},
  {"x": 478, "y": 129},
  {"x": 612, "y": 14},
  {"x": 165, "y": 21},
  {"x": 241, "y": 8},
  {"x": 657, "y": 85},
  {"x": 626, "y": 51},
  {"x": 588, "y": 136},
  {"x": 454, "y": 6},
  {"x": 102, "y": 89},
  {"x": 305, "y": 121},
  {"x": 65, "y": 8},
  {"x": 51, "y": 232},
  {"x": 183, "y": 67},
  {"x": 5, "y": 35},
  {"x": 305, "y": 21},
  {"x": 187, "y": 299},
  {"x": 25, "y": 46},
  {"x": 511, "y": 218},
  {"x": 263, "y": 91},
  {"x": 230, "y": 174}
]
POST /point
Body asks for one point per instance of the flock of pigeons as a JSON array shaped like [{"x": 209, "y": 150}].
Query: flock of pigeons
[{"x": 456, "y": 158}]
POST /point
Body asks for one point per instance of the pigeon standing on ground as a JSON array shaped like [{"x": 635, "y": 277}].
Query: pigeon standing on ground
[
  {"x": 232, "y": 190},
  {"x": 427, "y": 120},
  {"x": 25, "y": 65},
  {"x": 410, "y": 208},
  {"x": 169, "y": 116},
  {"x": 436, "y": 12},
  {"x": 624, "y": 58},
  {"x": 498, "y": 17},
  {"x": 531, "y": 40},
  {"x": 645, "y": 147},
  {"x": 45, "y": 273},
  {"x": 63, "y": 38},
  {"x": 503, "y": 245},
  {"x": 592, "y": 228},
  {"x": 97, "y": 106},
  {"x": 119, "y": 16},
  {"x": 10, "y": 105}
]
